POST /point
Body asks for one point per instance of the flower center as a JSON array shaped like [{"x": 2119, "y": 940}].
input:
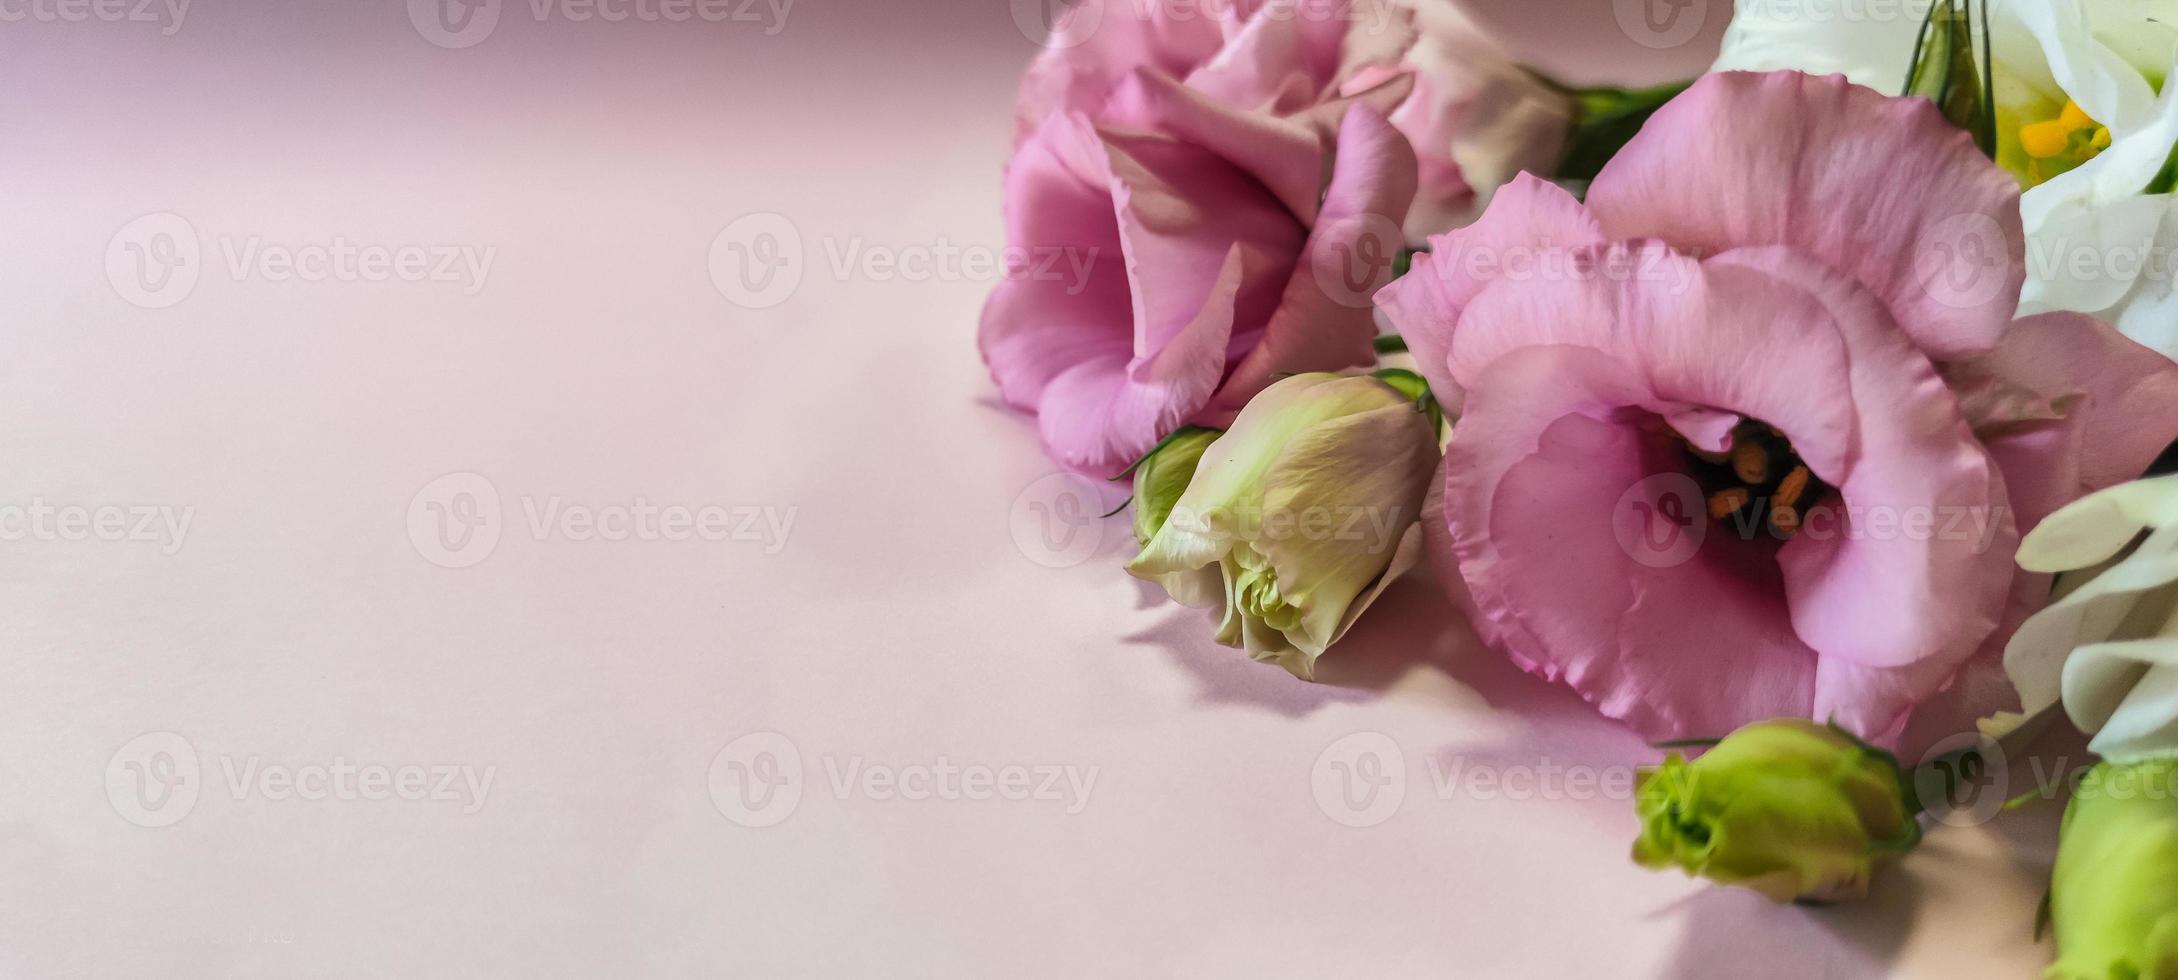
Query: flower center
[
  {"x": 1256, "y": 589},
  {"x": 1759, "y": 484},
  {"x": 2054, "y": 146}
]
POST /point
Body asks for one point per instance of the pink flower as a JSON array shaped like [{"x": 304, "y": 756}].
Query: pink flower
[
  {"x": 1782, "y": 280},
  {"x": 1206, "y": 202}
]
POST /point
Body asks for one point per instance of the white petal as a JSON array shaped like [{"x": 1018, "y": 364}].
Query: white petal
[
  {"x": 2095, "y": 527},
  {"x": 1868, "y": 50},
  {"x": 2127, "y": 693}
]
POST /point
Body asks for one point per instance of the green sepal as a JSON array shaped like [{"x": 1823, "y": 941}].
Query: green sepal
[
  {"x": 1184, "y": 430},
  {"x": 1949, "y": 69}
]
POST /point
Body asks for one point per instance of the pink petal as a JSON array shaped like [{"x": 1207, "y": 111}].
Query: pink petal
[
  {"x": 1856, "y": 622},
  {"x": 1324, "y": 320},
  {"x": 1526, "y": 216},
  {"x": 1058, "y": 197},
  {"x": 1268, "y": 67},
  {"x": 1285, "y": 156},
  {"x": 1554, "y": 498},
  {"x": 1881, "y": 188},
  {"x": 2124, "y": 393},
  {"x": 1899, "y": 581},
  {"x": 1099, "y": 42},
  {"x": 1180, "y": 209},
  {"x": 1103, "y": 414}
]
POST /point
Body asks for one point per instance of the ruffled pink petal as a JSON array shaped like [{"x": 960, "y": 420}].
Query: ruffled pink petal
[
  {"x": 1910, "y": 567},
  {"x": 1181, "y": 247},
  {"x": 1102, "y": 414},
  {"x": 1571, "y": 526},
  {"x": 1752, "y": 349},
  {"x": 1324, "y": 320},
  {"x": 1881, "y": 188},
  {"x": 1863, "y": 614},
  {"x": 2123, "y": 393},
  {"x": 1098, "y": 42},
  {"x": 1180, "y": 210},
  {"x": 1530, "y": 216},
  {"x": 1058, "y": 199},
  {"x": 1272, "y": 66},
  {"x": 1286, "y": 156}
]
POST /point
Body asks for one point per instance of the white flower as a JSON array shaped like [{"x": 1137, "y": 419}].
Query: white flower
[
  {"x": 2079, "y": 121},
  {"x": 1299, "y": 515},
  {"x": 2108, "y": 648}
]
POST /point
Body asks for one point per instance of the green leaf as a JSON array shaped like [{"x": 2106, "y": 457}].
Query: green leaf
[{"x": 1604, "y": 120}]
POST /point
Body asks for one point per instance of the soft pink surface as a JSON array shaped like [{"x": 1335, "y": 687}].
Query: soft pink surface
[{"x": 901, "y": 622}]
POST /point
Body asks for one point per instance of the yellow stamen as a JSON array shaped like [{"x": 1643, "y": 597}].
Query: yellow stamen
[
  {"x": 2073, "y": 116},
  {"x": 2044, "y": 140}
]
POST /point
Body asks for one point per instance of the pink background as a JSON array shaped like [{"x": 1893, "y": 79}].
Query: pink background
[{"x": 914, "y": 610}]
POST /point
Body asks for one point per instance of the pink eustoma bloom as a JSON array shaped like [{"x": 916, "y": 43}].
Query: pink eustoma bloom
[
  {"x": 1219, "y": 196},
  {"x": 1783, "y": 250}
]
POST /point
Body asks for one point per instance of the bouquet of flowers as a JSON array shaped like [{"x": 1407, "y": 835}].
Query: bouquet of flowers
[{"x": 1763, "y": 410}]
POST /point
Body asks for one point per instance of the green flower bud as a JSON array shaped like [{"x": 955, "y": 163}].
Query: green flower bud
[
  {"x": 1790, "y": 808},
  {"x": 1162, "y": 476},
  {"x": 2113, "y": 896}
]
